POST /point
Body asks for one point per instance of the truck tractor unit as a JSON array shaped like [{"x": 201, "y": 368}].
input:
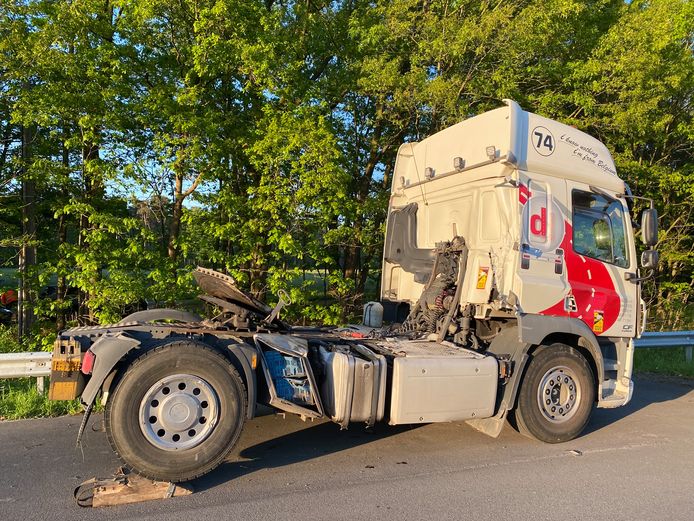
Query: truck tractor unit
[{"x": 510, "y": 286}]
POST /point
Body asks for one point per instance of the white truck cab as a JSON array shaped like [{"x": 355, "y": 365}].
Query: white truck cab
[{"x": 550, "y": 244}]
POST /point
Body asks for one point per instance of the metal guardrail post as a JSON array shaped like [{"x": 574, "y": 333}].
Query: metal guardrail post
[
  {"x": 653, "y": 339},
  {"x": 26, "y": 365}
]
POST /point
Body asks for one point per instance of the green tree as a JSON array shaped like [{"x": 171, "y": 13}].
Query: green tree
[{"x": 635, "y": 94}]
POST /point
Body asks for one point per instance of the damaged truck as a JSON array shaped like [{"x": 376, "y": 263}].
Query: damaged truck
[{"x": 510, "y": 287}]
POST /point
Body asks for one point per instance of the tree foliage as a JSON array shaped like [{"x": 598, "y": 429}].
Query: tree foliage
[{"x": 259, "y": 137}]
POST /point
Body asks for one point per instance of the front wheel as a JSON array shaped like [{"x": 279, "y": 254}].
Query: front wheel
[
  {"x": 556, "y": 396},
  {"x": 176, "y": 412}
]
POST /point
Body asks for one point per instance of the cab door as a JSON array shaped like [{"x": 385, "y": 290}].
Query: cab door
[
  {"x": 598, "y": 261},
  {"x": 541, "y": 272}
]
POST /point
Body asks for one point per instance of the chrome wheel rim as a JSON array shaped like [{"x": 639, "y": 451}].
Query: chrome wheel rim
[
  {"x": 179, "y": 412},
  {"x": 559, "y": 394}
]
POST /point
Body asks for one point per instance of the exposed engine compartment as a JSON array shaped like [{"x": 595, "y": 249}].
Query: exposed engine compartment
[
  {"x": 439, "y": 302},
  {"x": 438, "y": 314}
]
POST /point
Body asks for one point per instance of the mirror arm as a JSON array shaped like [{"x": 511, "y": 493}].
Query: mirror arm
[
  {"x": 629, "y": 196},
  {"x": 631, "y": 277}
]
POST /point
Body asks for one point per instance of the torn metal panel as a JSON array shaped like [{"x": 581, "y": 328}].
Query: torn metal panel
[
  {"x": 289, "y": 345},
  {"x": 224, "y": 287}
]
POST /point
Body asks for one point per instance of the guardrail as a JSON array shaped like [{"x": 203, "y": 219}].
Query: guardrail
[
  {"x": 38, "y": 364},
  {"x": 23, "y": 365},
  {"x": 652, "y": 339}
]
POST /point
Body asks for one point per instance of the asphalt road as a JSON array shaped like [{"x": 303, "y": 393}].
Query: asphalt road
[{"x": 633, "y": 463}]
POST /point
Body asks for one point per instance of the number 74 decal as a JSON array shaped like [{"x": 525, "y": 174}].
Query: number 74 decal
[{"x": 542, "y": 140}]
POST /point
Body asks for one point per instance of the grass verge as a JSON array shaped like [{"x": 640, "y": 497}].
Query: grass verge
[
  {"x": 666, "y": 361},
  {"x": 19, "y": 399}
]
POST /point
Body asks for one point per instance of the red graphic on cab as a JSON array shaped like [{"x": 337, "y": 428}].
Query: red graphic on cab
[{"x": 592, "y": 296}]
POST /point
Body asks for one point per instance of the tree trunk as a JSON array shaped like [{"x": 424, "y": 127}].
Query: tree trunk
[
  {"x": 258, "y": 271},
  {"x": 27, "y": 253},
  {"x": 177, "y": 212},
  {"x": 353, "y": 267},
  {"x": 61, "y": 289},
  {"x": 176, "y": 215},
  {"x": 94, "y": 191},
  {"x": 353, "y": 255}
]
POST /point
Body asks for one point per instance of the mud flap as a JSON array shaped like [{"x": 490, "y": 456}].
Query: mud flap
[{"x": 490, "y": 426}]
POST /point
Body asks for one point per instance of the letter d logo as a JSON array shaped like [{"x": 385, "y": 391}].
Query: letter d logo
[{"x": 538, "y": 223}]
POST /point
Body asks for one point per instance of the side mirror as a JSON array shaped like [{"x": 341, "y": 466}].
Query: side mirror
[
  {"x": 649, "y": 259},
  {"x": 649, "y": 227}
]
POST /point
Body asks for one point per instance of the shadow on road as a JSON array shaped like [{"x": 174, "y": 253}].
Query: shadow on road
[
  {"x": 326, "y": 438},
  {"x": 648, "y": 389},
  {"x": 302, "y": 445}
]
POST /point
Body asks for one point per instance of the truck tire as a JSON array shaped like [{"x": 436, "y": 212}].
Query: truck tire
[
  {"x": 556, "y": 396},
  {"x": 176, "y": 411}
]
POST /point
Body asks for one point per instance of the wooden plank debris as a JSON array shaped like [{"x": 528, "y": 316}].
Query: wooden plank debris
[{"x": 126, "y": 488}]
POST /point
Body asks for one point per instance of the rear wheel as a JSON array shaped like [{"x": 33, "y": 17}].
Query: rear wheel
[
  {"x": 556, "y": 396},
  {"x": 176, "y": 412}
]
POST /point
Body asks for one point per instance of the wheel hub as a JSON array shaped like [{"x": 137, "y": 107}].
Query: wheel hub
[
  {"x": 179, "y": 412},
  {"x": 559, "y": 394}
]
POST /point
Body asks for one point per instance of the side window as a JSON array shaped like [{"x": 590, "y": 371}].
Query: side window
[{"x": 598, "y": 228}]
